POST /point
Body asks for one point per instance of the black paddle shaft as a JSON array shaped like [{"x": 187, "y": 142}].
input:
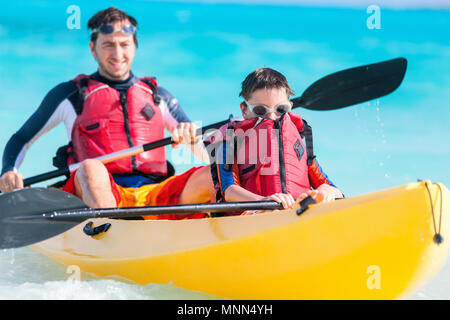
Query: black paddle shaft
[
  {"x": 79, "y": 215},
  {"x": 31, "y": 215}
]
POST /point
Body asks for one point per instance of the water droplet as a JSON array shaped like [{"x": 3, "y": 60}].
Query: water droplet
[{"x": 13, "y": 258}]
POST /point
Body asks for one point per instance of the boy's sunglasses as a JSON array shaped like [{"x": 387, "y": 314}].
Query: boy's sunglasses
[
  {"x": 261, "y": 110},
  {"x": 109, "y": 28}
]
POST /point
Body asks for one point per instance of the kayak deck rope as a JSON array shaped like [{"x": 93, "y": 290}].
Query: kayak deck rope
[{"x": 438, "y": 239}]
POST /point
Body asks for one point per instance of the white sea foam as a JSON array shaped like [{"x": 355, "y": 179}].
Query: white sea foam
[{"x": 27, "y": 275}]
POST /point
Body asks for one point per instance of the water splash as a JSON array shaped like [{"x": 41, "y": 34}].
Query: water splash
[{"x": 36, "y": 277}]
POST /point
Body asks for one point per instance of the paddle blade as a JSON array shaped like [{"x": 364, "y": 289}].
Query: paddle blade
[
  {"x": 352, "y": 86},
  {"x": 31, "y": 202}
]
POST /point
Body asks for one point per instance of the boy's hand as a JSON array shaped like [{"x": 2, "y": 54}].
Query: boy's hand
[
  {"x": 324, "y": 193},
  {"x": 285, "y": 199}
]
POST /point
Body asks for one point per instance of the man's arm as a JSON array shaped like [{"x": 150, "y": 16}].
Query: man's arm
[
  {"x": 179, "y": 125},
  {"x": 172, "y": 111},
  {"x": 57, "y": 106}
]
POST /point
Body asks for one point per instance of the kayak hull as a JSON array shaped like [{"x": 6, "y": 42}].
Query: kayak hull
[{"x": 375, "y": 246}]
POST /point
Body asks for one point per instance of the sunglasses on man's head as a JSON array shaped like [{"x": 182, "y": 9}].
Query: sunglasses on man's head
[
  {"x": 109, "y": 28},
  {"x": 261, "y": 110}
]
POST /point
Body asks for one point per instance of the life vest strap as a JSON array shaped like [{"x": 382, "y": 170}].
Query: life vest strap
[
  {"x": 307, "y": 135},
  {"x": 82, "y": 85},
  {"x": 149, "y": 81}
]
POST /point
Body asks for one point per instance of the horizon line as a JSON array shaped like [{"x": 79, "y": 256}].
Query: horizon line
[{"x": 355, "y": 4}]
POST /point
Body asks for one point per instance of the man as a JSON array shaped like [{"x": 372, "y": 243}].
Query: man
[
  {"x": 263, "y": 157},
  {"x": 108, "y": 111}
]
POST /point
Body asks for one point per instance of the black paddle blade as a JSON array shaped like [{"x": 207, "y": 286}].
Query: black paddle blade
[
  {"x": 31, "y": 203},
  {"x": 352, "y": 86}
]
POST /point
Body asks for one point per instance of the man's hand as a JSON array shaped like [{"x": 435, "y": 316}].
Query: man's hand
[
  {"x": 184, "y": 132},
  {"x": 10, "y": 181}
]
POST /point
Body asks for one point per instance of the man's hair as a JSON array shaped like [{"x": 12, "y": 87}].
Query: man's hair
[
  {"x": 109, "y": 16},
  {"x": 264, "y": 78}
]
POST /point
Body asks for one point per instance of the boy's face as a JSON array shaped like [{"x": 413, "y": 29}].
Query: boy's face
[{"x": 270, "y": 98}]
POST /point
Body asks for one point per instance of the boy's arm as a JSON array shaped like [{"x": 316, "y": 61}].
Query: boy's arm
[
  {"x": 322, "y": 184},
  {"x": 236, "y": 193}
]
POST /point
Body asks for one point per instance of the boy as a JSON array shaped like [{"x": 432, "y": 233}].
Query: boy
[{"x": 263, "y": 157}]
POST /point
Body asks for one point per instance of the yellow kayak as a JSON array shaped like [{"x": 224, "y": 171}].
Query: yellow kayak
[{"x": 382, "y": 245}]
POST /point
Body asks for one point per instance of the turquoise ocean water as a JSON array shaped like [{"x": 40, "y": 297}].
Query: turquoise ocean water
[{"x": 201, "y": 52}]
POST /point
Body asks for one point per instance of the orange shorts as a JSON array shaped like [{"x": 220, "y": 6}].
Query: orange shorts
[{"x": 166, "y": 192}]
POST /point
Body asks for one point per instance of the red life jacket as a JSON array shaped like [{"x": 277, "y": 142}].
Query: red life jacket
[
  {"x": 270, "y": 156},
  {"x": 111, "y": 121}
]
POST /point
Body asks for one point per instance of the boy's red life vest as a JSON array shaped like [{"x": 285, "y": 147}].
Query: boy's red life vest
[
  {"x": 111, "y": 121},
  {"x": 268, "y": 156}
]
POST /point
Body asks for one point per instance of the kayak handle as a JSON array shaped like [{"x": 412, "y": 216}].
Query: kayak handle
[
  {"x": 304, "y": 204},
  {"x": 92, "y": 231}
]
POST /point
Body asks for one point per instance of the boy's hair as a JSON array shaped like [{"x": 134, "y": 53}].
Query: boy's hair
[
  {"x": 109, "y": 16},
  {"x": 264, "y": 78}
]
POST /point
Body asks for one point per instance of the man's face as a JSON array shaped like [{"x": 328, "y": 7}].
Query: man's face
[
  {"x": 114, "y": 53},
  {"x": 270, "y": 98}
]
